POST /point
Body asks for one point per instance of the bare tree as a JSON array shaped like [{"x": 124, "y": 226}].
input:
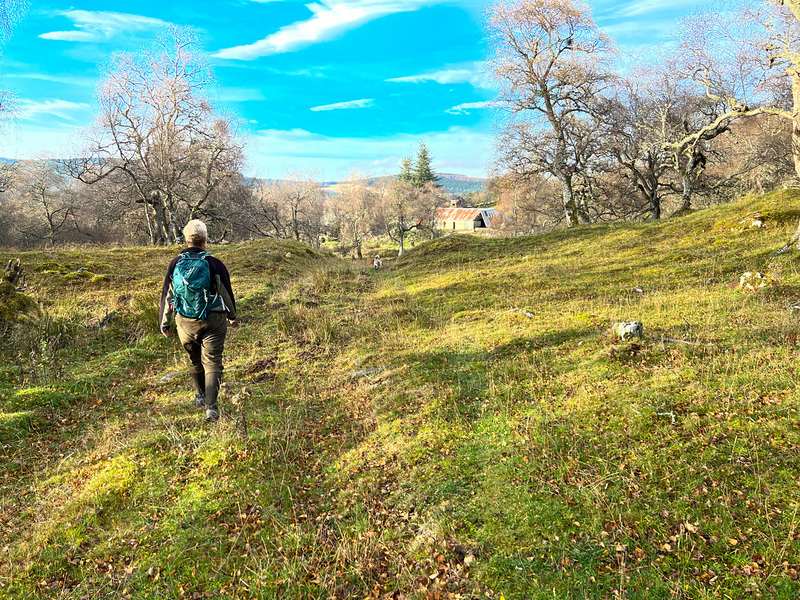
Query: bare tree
[
  {"x": 549, "y": 60},
  {"x": 8, "y": 172},
  {"x": 746, "y": 60},
  {"x": 351, "y": 209},
  {"x": 302, "y": 202},
  {"x": 529, "y": 203},
  {"x": 636, "y": 124},
  {"x": 261, "y": 213},
  {"x": 777, "y": 47},
  {"x": 758, "y": 156},
  {"x": 158, "y": 130},
  {"x": 403, "y": 208},
  {"x": 292, "y": 208},
  {"x": 11, "y": 12},
  {"x": 49, "y": 201},
  {"x": 715, "y": 55}
]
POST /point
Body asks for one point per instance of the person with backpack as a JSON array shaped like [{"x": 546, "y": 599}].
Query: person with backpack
[{"x": 197, "y": 288}]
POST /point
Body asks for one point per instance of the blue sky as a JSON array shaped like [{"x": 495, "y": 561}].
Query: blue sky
[{"x": 324, "y": 88}]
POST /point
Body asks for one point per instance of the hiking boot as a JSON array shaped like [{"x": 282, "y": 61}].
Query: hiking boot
[
  {"x": 212, "y": 414},
  {"x": 199, "y": 400}
]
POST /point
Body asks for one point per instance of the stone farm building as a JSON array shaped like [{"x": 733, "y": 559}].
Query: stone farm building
[{"x": 466, "y": 219}]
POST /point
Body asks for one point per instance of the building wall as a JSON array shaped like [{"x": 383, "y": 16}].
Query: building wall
[{"x": 457, "y": 225}]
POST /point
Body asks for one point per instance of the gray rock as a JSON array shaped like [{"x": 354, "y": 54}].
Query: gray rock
[
  {"x": 627, "y": 331},
  {"x": 754, "y": 281},
  {"x": 366, "y": 372},
  {"x": 169, "y": 377}
]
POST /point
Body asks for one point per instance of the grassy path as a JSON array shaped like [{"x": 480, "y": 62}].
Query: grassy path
[{"x": 458, "y": 425}]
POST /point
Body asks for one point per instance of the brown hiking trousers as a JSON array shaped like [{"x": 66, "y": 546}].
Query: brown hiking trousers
[{"x": 204, "y": 341}]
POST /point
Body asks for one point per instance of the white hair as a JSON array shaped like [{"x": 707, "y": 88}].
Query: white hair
[{"x": 195, "y": 231}]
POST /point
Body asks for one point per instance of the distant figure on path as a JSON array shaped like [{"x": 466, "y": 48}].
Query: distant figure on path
[
  {"x": 377, "y": 263},
  {"x": 197, "y": 288}
]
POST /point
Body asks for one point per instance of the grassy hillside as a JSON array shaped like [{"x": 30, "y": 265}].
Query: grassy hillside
[{"x": 459, "y": 424}]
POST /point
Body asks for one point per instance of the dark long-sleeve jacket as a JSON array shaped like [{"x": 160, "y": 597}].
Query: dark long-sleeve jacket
[{"x": 220, "y": 284}]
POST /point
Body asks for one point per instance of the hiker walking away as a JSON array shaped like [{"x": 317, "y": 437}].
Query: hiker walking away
[{"x": 197, "y": 288}]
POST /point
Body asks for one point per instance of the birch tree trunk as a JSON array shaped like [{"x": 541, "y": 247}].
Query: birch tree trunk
[
  {"x": 794, "y": 72},
  {"x": 568, "y": 199}
]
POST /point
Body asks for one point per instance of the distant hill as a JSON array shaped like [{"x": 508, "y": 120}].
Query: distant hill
[
  {"x": 453, "y": 183},
  {"x": 460, "y": 184},
  {"x": 456, "y": 177}
]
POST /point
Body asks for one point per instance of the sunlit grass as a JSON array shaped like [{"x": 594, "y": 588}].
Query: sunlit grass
[{"x": 461, "y": 422}]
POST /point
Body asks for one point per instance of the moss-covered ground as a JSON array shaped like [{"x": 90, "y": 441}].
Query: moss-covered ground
[{"x": 459, "y": 424}]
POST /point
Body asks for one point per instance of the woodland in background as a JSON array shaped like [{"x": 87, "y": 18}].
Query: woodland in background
[
  {"x": 603, "y": 135},
  {"x": 586, "y": 134}
]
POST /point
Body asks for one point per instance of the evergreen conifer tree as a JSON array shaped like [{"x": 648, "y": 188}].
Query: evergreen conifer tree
[
  {"x": 406, "y": 171},
  {"x": 423, "y": 171}
]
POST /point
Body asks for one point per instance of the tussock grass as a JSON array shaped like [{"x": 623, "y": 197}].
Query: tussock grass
[{"x": 459, "y": 424}]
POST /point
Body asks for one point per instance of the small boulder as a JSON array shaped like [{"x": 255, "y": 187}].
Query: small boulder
[
  {"x": 367, "y": 372},
  {"x": 169, "y": 377},
  {"x": 627, "y": 331},
  {"x": 754, "y": 281},
  {"x": 755, "y": 221}
]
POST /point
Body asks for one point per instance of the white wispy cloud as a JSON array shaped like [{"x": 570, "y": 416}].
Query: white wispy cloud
[
  {"x": 365, "y": 103},
  {"x": 464, "y": 109},
  {"x": 237, "y": 94},
  {"x": 62, "y": 109},
  {"x": 65, "y": 79},
  {"x": 329, "y": 18},
  {"x": 652, "y": 29},
  {"x": 101, "y": 26},
  {"x": 645, "y": 7},
  {"x": 471, "y": 73}
]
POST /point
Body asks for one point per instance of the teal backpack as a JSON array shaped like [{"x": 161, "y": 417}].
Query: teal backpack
[{"x": 191, "y": 281}]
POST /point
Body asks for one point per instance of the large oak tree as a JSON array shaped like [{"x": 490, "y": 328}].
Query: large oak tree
[{"x": 549, "y": 61}]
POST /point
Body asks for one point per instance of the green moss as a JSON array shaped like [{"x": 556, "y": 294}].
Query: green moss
[
  {"x": 13, "y": 304},
  {"x": 52, "y": 267},
  {"x": 36, "y": 397},
  {"x": 109, "y": 483},
  {"x": 96, "y": 266},
  {"x": 79, "y": 275},
  {"x": 15, "y": 426}
]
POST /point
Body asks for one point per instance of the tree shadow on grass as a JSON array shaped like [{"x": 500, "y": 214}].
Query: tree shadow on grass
[{"x": 468, "y": 380}]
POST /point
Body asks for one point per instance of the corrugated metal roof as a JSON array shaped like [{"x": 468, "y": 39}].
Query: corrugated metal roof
[{"x": 458, "y": 214}]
